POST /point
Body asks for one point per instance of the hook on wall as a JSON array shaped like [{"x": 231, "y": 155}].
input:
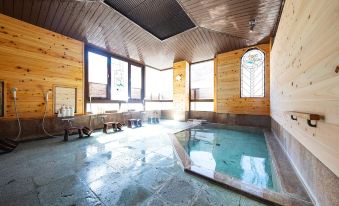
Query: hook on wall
[
  {"x": 293, "y": 118},
  {"x": 309, "y": 122},
  {"x": 311, "y": 118}
]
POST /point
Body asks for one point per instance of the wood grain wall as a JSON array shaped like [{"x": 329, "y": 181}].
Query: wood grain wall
[
  {"x": 181, "y": 88},
  {"x": 305, "y": 76},
  {"x": 227, "y": 84},
  {"x": 33, "y": 60}
]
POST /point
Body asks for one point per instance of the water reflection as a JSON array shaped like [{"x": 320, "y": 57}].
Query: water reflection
[{"x": 254, "y": 171}]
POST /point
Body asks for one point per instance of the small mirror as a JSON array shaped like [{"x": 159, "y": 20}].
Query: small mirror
[
  {"x": 64, "y": 95},
  {"x": 2, "y": 98}
]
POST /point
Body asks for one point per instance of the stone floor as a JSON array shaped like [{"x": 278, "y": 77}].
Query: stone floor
[{"x": 133, "y": 167}]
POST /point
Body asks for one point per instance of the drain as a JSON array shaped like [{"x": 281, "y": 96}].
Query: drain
[{"x": 217, "y": 144}]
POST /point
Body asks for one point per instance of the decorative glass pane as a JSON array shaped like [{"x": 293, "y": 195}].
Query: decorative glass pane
[
  {"x": 65, "y": 96},
  {"x": 202, "y": 106},
  {"x": 119, "y": 80},
  {"x": 135, "y": 82},
  {"x": 202, "y": 80},
  {"x": 253, "y": 74},
  {"x": 97, "y": 90},
  {"x": 149, "y": 106}
]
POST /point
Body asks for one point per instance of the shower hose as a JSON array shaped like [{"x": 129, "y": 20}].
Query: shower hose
[{"x": 18, "y": 119}]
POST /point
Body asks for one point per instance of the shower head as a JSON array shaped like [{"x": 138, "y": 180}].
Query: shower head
[
  {"x": 46, "y": 96},
  {"x": 13, "y": 90}
]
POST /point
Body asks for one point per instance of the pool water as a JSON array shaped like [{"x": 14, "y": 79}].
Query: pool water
[{"x": 239, "y": 153}]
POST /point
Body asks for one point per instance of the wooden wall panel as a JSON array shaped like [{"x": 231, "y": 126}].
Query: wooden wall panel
[
  {"x": 228, "y": 85},
  {"x": 181, "y": 88},
  {"x": 33, "y": 60},
  {"x": 304, "y": 59}
]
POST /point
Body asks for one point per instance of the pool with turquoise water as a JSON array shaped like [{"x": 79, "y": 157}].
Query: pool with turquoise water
[{"x": 238, "y": 152}]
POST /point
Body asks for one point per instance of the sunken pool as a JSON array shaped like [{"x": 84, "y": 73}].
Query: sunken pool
[{"x": 237, "y": 152}]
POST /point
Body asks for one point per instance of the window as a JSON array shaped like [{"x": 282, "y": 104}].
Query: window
[
  {"x": 119, "y": 80},
  {"x": 112, "y": 79},
  {"x": 159, "y": 84},
  {"x": 153, "y": 82},
  {"x": 136, "y": 82},
  {"x": 159, "y": 89},
  {"x": 202, "y": 86},
  {"x": 253, "y": 74},
  {"x": 97, "y": 75},
  {"x": 202, "y": 80},
  {"x": 167, "y": 84}
]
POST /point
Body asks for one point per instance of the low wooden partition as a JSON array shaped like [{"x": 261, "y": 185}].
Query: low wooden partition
[{"x": 32, "y": 127}]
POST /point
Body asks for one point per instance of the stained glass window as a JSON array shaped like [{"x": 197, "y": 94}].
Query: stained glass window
[
  {"x": 119, "y": 78},
  {"x": 253, "y": 74}
]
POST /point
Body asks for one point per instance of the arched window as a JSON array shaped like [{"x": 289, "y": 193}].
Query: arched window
[{"x": 253, "y": 74}]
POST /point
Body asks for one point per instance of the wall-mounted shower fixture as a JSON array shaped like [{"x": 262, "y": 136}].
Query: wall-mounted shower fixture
[
  {"x": 46, "y": 96},
  {"x": 13, "y": 91},
  {"x": 45, "y": 114},
  {"x": 6, "y": 144},
  {"x": 252, "y": 24}
]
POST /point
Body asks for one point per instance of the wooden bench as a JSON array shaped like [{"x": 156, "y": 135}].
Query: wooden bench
[
  {"x": 80, "y": 130},
  {"x": 133, "y": 123},
  {"x": 115, "y": 125}
]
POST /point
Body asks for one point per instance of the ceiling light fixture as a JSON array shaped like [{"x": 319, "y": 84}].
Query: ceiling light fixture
[{"x": 252, "y": 24}]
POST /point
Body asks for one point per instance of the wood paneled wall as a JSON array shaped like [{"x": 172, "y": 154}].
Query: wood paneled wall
[
  {"x": 227, "y": 84},
  {"x": 33, "y": 60},
  {"x": 305, "y": 76},
  {"x": 181, "y": 88}
]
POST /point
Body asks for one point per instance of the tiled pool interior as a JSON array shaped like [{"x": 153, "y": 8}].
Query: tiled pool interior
[
  {"x": 236, "y": 152},
  {"x": 133, "y": 167}
]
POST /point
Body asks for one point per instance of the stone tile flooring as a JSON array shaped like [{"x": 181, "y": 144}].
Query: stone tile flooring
[{"x": 133, "y": 167}]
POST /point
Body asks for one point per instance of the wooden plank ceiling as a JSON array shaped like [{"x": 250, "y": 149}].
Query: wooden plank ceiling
[{"x": 222, "y": 25}]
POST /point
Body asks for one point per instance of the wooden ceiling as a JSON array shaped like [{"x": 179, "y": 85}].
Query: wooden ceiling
[{"x": 221, "y": 25}]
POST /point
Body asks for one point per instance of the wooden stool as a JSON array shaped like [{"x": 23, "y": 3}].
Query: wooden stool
[
  {"x": 115, "y": 125},
  {"x": 69, "y": 130},
  {"x": 153, "y": 120},
  {"x": 133, "y": 123}
]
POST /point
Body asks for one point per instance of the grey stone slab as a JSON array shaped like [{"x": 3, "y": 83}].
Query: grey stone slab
[
  {"x": 91, "y": 172},
  {"x": 244, "y": 201},
  {"x": 171, "y": 166},
  {"x": 215, "y": 197},
  {"x": 179, "y": 191},
  {"x": 17, "y": 187},
  {"x": 152, "y": 179},
  {"x": 120, "y": 192},
  {"x": 156, "y": 201},
  {"x": 24, "y": 200},
  {"x": 67, "y": 191}
]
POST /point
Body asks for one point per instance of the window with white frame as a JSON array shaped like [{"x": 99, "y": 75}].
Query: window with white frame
[
  {"x": 202, "y": 86},
  {"x": 97, "y": 75},
  {"x": 202, "y": 80},
  {"x": 253, "y": 74}
]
